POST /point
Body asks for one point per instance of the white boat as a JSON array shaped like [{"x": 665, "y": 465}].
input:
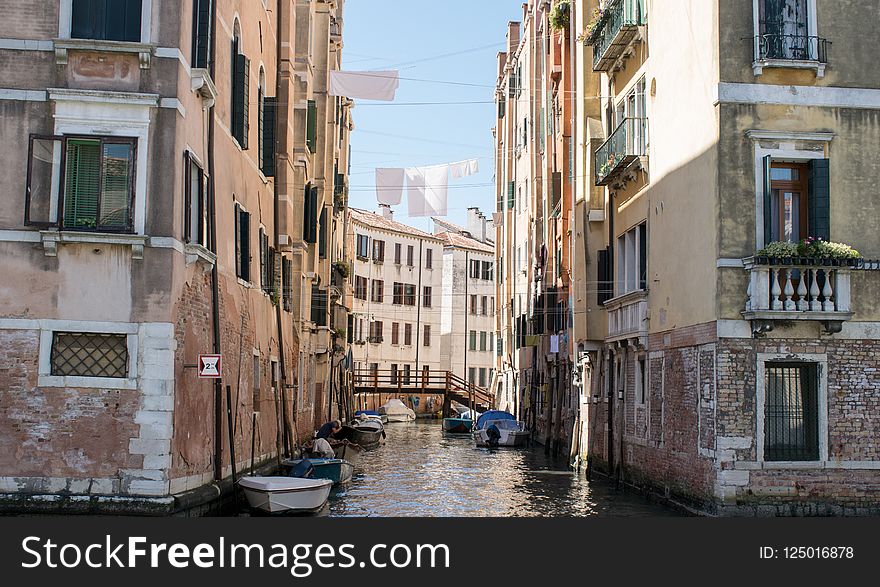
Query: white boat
[
  {"x": 496, "y": 428},
  {"x": 286, "y": 494},
  {"x": 396, "y": 411}
]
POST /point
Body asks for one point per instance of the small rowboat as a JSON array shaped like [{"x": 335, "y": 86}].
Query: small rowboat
[
  {"x": 458, "y": 425},
  {"x": 336, "y": 470},
  {"x": 348, "y": 452},
  {"x": 367, "y": 433},
  {"x": 286, "y": 494}
]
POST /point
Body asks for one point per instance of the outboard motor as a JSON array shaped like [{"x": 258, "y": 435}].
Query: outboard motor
[
  {"x": 303, "y": 469},
  {"x": 493, "y": 434}
]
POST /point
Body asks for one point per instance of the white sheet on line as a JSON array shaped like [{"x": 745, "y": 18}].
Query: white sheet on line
[
  {"x": 365, "y": 85},
  {"x": 389, "y": 185},
  {"x": 427, "y": 191},
  {"x": 464, "y": 168}
]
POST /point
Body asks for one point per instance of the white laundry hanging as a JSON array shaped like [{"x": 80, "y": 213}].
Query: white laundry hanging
[
  {"x": 427, "y": 191},
  {"x": 366, "y": 85},
  {"x": 464, "y": 168},
  {"x": 389, "y": 185}
]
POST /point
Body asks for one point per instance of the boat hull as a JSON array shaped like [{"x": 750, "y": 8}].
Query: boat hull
[
  {"x": 509, "y": 438},
  {"x": 457, "y": 425},
  {"x": 336, "y": 470},
  {"x": 348, "y": 452},
  {"x": 306, "y": 499},
  {"x": 400, "y": 418},
  {"x": 367, "y": 438}
]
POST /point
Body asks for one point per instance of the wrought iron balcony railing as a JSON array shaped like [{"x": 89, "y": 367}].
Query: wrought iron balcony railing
[
  {"x": 615, "y": 30},
  {"x": 626, "y": 144},
  {"x": 775, "y": 47}
]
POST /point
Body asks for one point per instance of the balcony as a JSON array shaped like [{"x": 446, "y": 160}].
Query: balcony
[
  {"x": 616, "y": 30},
  {"x": 792, "y": 51},
  {"x": 628, "y": 317},
  {"x": 624, "y": 149},
  {"x": 798, "y": 289}
]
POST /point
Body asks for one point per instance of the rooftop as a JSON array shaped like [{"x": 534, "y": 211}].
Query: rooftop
[
  {"x": 379, "y": 222},
  {"x": 460, "y": 241}
]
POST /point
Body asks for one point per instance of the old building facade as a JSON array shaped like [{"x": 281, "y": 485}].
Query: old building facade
[
  {"x": 157, "y": 179},
  {"x": 730, "y": 379}
]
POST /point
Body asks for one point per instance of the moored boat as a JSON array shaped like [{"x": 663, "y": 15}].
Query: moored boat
[
  {"x": 367, "y": 433},
  {"x": 496, "y": 428},
  {"x": 370, "y": 415},
  {"x": 457, "y": 425},
  {"x": 348, "y": 451},
  {"x": 286, "y": 494},
  {"x": 338, "y": 471},
  {"x": 396, "y": 411}
]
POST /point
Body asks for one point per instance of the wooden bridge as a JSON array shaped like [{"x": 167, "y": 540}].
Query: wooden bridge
[{"x": 386, "y": 384}]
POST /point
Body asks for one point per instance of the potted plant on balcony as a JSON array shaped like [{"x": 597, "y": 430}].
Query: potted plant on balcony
[
  {"x": 342, "y": 269},
  {"x": 560, "y": 15},
  {"x": 810, "y": 251},
  {"x": 597, "y": 20}
]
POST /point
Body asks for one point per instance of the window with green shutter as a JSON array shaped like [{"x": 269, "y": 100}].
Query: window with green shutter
[
  {"x": 108, "y": 20},
  {"x": 511, "y": 195},
  {"x": 312, "y": 126},
  {"x": 201, "y": 36},
  {"x": 267, "y": 136},
  {"x": 98, "y": 184},
  {"x": 240, "y": 96},
  {"x": 310, "y": 215}
]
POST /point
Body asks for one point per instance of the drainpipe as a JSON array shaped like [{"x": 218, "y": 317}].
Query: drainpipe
[
  {"x": 215, "y": 283},
  {"x": 276, "y": 216},
  {"x": 467, "y": 310}
]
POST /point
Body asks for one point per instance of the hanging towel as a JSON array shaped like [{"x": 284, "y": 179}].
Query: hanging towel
[
  {"x": 464, "y": 168},
  {"x": 427, "y": 191},
  {"x": 497, "y": 219},
  {"x": 366, "y": 85},
  {"x": 389, "y": 185}
]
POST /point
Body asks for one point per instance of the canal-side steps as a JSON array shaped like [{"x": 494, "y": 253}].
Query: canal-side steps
[{"x": 381, "y": 383}]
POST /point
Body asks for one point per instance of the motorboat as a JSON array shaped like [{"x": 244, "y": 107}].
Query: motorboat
[
  {"x": 496, "y": 428},
  {"x": 458, "y": 425},
  {"x": 286, "y": 494},
  {"x": 371, "y": 415},
  {"x": 368, "y": 433},
  {"x": 347, "y": 451},
  {"x": 396, "y": 411},
  {"x": 339, "y": 471}
]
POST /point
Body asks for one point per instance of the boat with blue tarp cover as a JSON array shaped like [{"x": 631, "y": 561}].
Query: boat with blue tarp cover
[{"x": 496, "y": 428}]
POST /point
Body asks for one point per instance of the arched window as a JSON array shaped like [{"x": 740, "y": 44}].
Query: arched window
[{"x": 240, "y": 76}]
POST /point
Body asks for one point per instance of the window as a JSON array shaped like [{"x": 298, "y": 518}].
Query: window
[
  {"x": 484, "y": 305},
  {"x": 195, "y": 225},
  {"x": 783, "y": 29},
  {"x": 310, "y": 214},
  {"x": 287, "y": 285},
  {"x": 267, "y": 264},
  {"x": 266, "y": 129},
  {"x": 393, "y": 373},
  {"x": 429, "y": 258},
  {"x": 472, "y": 375},
  {"x": 312, "y": 126},
  {"x": 107, "y": 20},
  {"x": 256, "y": 385},
  {"x": 473, "y": 340},
  {"x": 376, "y": 332},
  {"x": 407, "y": 334},
  {"x": 407, "y": 374},
  {"x": 241, "y": 67},
  {"x": 487, "y": 270},
  {"x": 427, "y": 336},
  {"x": 410, "y": 256},
  {"x": 426, "y": 297},
  {"x": 378, "y": 294},
  {"x": 796, "y": 200},
  {"x": 641, "y": 381},
  {"x": 242, "y": 244},
  {"x": 201, "y": 38},
  {"x": 323, "y": 234},
  {"x": 360, "y": 287},
  {"x": 491, "y": 340},
  {"x": 96, "y": 183},
  {"x": 319, "y": 306},
  {"x": 483, "y": 377},
  {"x": 791, "y": 412},
  {"x": 363, "y": 247},
  {"x": 483, "y": 347},
  {"x": 397, "y": 299},
  {"x": 475, "y": 269},
  {"x": 378, "y": 251},
  {"x": 395, "y": 333},
  {"x": 83, "y": 354},
  {"x": 473, "y": 305},
  {"x": 409, "y": 296},
  {"x": 398, "y": 252},
  {"x": 632, "y": 259}
]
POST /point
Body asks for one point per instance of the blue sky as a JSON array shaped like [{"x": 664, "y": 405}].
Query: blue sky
[{"x": 450, "y": 40}]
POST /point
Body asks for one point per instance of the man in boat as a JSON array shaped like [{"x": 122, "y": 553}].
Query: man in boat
[
  {"x": 329, "y": 430},
  {"x": 322, "y": 449}
]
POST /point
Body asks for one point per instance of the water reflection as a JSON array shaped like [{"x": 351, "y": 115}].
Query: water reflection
[{"x": 422, "y": 472}]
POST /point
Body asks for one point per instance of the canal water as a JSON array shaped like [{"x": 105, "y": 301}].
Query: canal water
[{"x": 423, "y": 472}]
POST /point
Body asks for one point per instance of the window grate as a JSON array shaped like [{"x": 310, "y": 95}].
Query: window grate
[
  {"x": 89, "y": 355},
  {"x": 791, "y": 421}
]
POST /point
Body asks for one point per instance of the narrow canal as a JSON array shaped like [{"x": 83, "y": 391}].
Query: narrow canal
[{"x": 423, "y": 472}]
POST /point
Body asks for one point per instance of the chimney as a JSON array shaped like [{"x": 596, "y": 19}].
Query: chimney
[
  {"x": 386, "y": 211},
  {"x": 473, "y": 222}
]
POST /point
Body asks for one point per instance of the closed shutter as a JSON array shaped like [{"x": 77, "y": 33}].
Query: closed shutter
[
  {"x": 819, "y": 203},
  {"x": 264, "y": 261},
  {"x": 83, "y": 183},
  {"x": 237, "y": 220},
  {"x": 511, "y": 195},
  {"x": 606, "y": 289},
  {"x": 322, "y": 237},
  {"x": 312, "y": 126},
  {"x": 201, "y": 48},
  {"x": 240, "y": 98},
  {"x": 109, "y": 20},
  {"x": 768, "y": 202},
  {"x": 307, "y": 202},
  {"x": 245, "y": 245},
  {"x": 270, "y": 108},
  {"x": 310, "y": 228},
  {"x": 502, "y": 106}
]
